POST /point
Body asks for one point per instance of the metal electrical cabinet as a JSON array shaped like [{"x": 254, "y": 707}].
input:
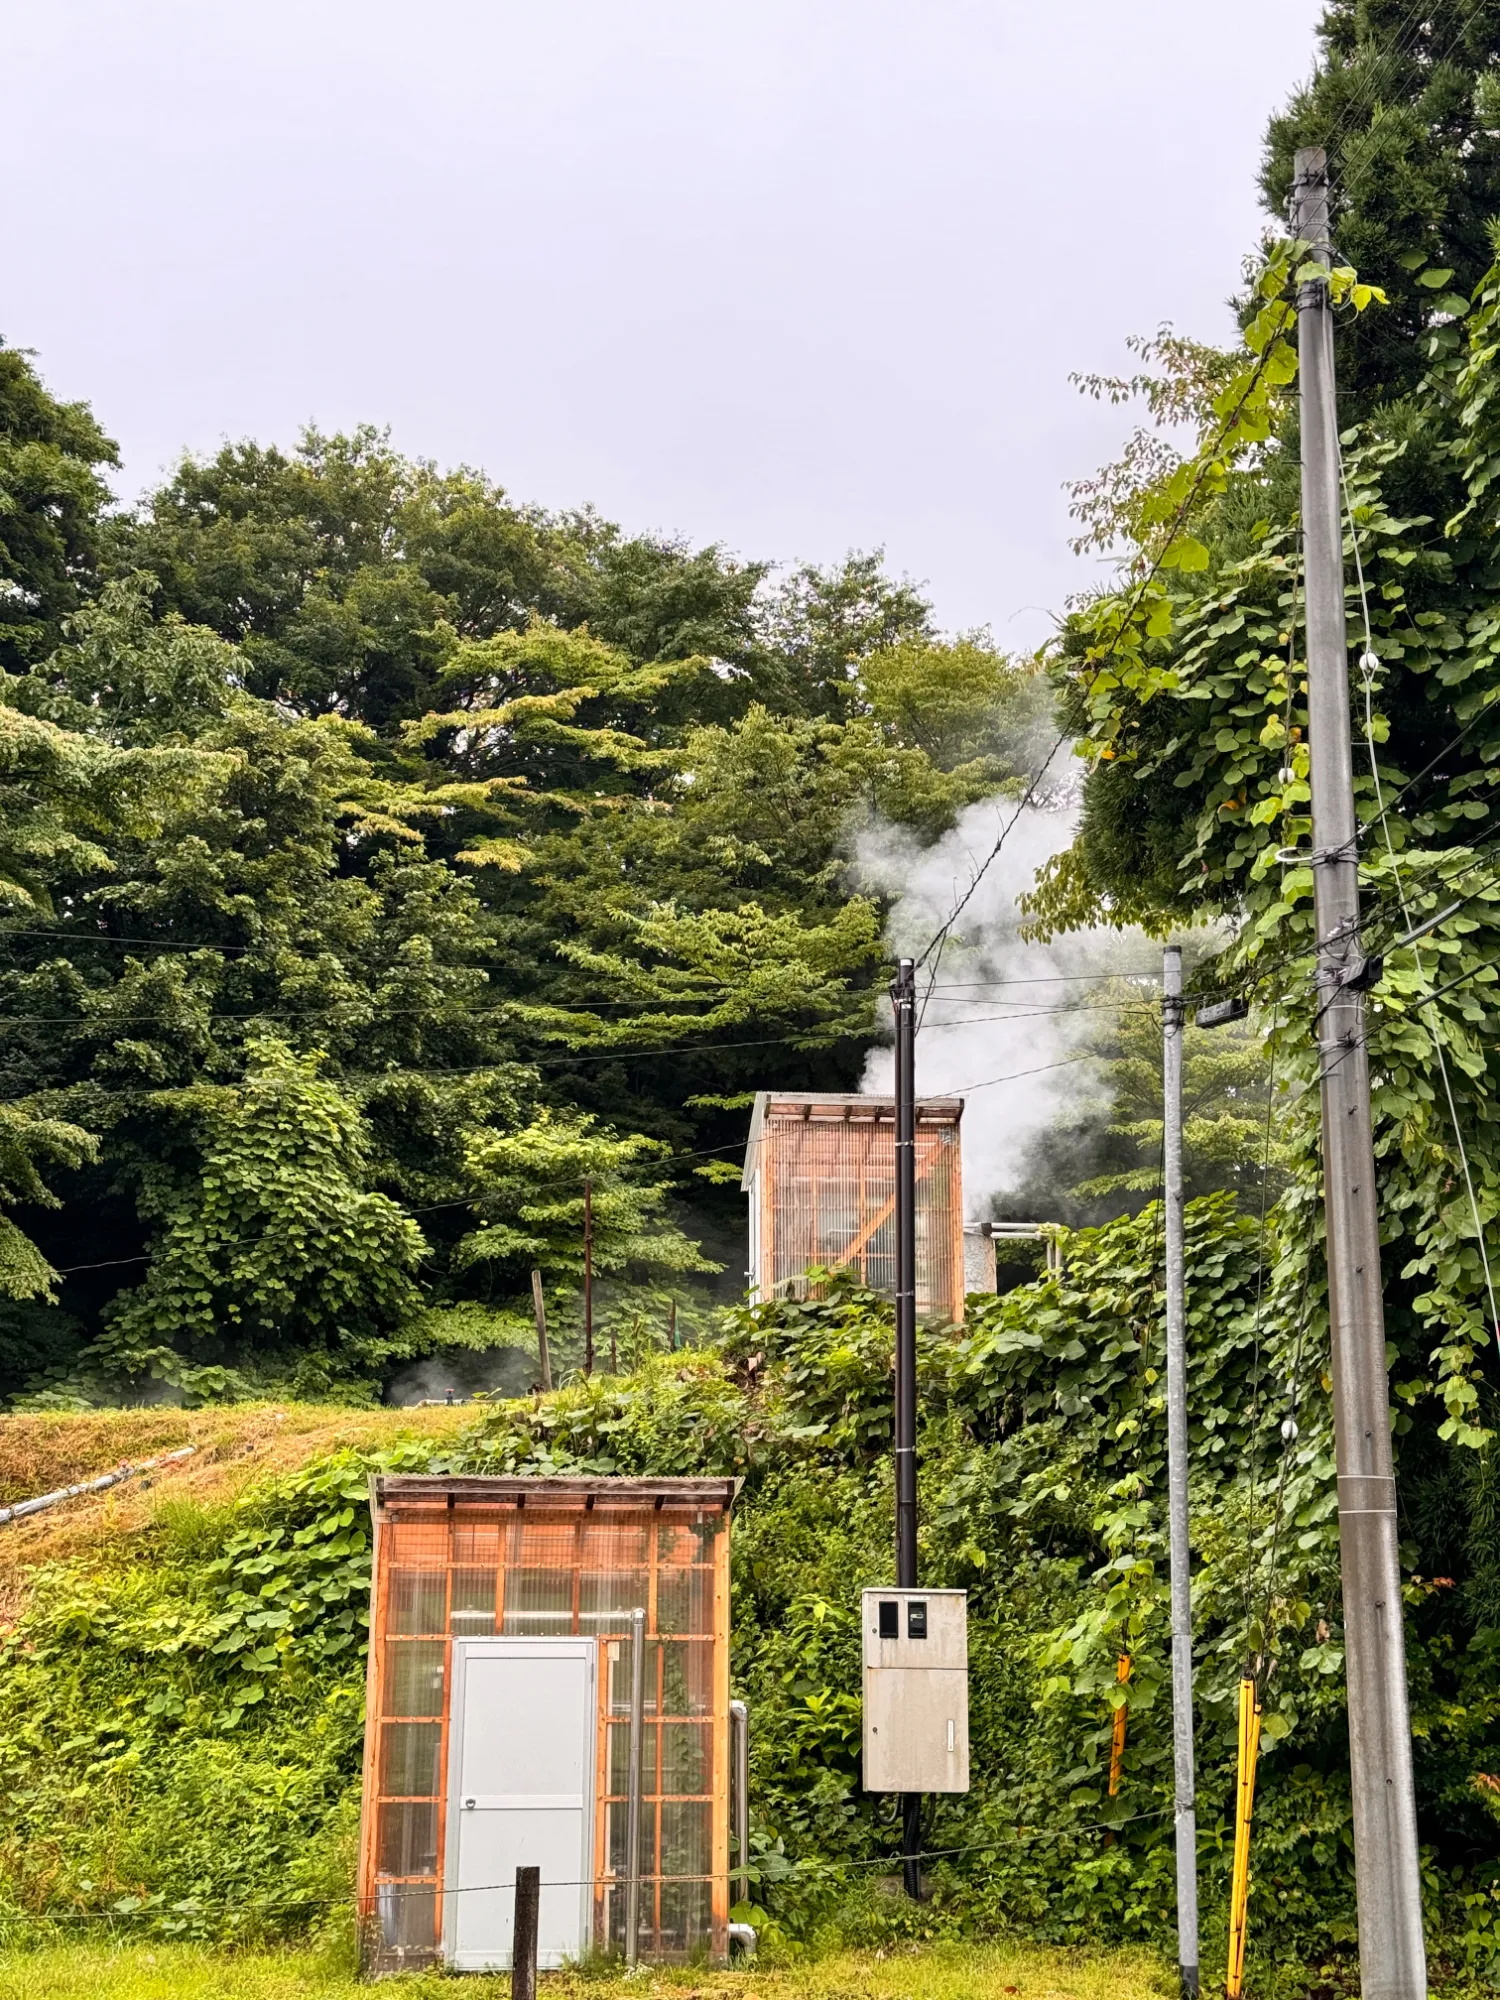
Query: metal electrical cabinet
[{"x": 916, "y": 1648}]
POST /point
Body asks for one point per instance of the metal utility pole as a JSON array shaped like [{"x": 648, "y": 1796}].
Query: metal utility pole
[
  {"x": 1186, "y": 1819},
  {"x": 1392, "y": 1959},
  {"x": 904, "y": 1003},
  {"x": 588, "y": 1277}
]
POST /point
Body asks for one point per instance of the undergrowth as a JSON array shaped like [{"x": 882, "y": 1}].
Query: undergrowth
[{"x": 181, "y": 1715}]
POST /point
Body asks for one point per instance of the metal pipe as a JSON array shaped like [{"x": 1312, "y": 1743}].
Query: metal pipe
[
  {"x": 633, "y": 1792},
  {"x": 1186, "y": 1816},
  {"x": 904, "y": 1003},
  {"x": 105, "y": 1479},
  {"x": 739, "y": 1765}
]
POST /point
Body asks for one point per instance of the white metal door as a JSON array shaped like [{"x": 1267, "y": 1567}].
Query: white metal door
[{"x": 522, "y": 1748}]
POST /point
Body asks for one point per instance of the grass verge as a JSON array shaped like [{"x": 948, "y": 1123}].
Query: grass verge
[{"x": 188, "y": 1972}]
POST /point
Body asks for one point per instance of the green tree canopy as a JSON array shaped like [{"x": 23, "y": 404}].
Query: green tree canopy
[{"x": 52, "y": 500}]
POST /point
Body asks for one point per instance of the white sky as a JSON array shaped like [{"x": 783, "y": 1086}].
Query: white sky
[{"x": 796, "y": 275}]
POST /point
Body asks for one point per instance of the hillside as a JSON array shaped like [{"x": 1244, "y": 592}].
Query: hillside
[{"x": 235, "y": 1446}]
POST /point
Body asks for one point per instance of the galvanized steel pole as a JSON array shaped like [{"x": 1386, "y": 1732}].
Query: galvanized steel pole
[
  {"x": 1387, "y": 1880},
  {"x": 1186, "y": 1818},
  {"x": 633, "y": 1787},
  {"x": 904, "y": 1002},
  {"x": 739, "y": 1768}
]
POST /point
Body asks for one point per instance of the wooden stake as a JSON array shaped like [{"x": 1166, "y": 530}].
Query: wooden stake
[
  {"x": 523, "y": 1939},
  {"x": 541, "y": 1329},
  {"x": 588, "y": 1277}
]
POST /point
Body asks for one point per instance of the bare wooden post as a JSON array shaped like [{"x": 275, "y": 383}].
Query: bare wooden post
[
  {"x": 523, "y": 1938},
  {"x": 541, "y": 1329},
  {"x": 588, "y": 1277},
  {"x": 672, "y": 1327}
]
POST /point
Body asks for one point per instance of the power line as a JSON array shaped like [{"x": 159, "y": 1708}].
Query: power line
[
  {"x": 427, "y": 1887},
  {"x": 1367, "y": 666},
  {"x": 801, "y": 1041},
  {"x": 1145, "y": 582}
]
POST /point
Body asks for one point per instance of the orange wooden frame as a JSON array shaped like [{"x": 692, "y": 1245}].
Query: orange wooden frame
[
  {"x": 427, "y": 1525},
  {"x": 937, "y": 1146}
]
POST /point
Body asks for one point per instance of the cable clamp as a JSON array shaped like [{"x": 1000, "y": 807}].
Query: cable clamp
[
  {"x": 1360, "y": 978},
  {"x": 1316, "y": 857}
]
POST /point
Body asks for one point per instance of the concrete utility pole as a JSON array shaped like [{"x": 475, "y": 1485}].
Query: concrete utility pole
[
  {"x": 1392, "y": 1959},
  {"x": 1177, "y": 1476},
  {"x": 904, "y": 1004}
]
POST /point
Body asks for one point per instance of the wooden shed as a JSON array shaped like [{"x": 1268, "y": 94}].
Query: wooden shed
[
  {"x": 820, "y": 1174},
  {"x": 503, "y": 1708}
]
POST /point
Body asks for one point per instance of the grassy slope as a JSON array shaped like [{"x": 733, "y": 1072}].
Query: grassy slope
[
  {"x": 183, "y": 1972},
  {"x": 234, "y": 1446}
]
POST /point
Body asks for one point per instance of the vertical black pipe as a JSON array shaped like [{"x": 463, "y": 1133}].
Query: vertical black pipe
[{"x": 904, "y": 1002}]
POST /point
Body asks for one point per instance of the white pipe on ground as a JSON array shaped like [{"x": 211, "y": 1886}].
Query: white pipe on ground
[{"x": 121, "y": 1472}]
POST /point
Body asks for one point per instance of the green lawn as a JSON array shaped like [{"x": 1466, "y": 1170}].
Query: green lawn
[{"x": 186, "y": 1972}]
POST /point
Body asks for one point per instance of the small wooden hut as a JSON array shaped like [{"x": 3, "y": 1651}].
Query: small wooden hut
[
  {"x": 820, "y": 1174},
  {"x": 502, "y": 1705}
]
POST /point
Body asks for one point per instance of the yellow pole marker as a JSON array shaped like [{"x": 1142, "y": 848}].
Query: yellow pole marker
[
  {"x": 1239, "y": 1885},
  {"x": 1117, "y": 1738}
]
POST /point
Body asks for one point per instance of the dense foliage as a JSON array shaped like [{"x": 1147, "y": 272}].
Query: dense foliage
[
  {"x": 180, "y": 1724},
  {"x": 381, "y": 862}
]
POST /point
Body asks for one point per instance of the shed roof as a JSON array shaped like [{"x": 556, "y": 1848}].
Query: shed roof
[
  {"x": 389, "y": 1489},
  {"x": 835, "y": 1104}
]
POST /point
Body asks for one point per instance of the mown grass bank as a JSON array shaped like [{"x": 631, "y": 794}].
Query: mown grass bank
[{"x": 188, "y": 1972}]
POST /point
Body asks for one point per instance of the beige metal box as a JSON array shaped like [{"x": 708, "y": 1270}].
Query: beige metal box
[{"x": 916, "y": 1650}]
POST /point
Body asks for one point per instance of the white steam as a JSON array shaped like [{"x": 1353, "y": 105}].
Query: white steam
[{"x": 1007, "y": 1024}]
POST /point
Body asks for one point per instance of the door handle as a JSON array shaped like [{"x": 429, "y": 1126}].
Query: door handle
[{"x": 469, "y": 1805}]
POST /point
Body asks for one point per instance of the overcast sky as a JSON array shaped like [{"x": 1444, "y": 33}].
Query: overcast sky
[{"x": 793, "y": 275}]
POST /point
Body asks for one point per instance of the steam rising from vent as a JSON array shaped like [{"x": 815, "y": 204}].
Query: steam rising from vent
[{"x": 994, "y": 1031}]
